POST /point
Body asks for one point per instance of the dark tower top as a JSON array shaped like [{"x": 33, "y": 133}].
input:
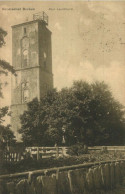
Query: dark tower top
[{"x": 42, "y": 16}]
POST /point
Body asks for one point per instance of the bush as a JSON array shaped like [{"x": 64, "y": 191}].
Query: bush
[
  {"x": 78, "y": 149},
  {"x": 104, "y": 150}
]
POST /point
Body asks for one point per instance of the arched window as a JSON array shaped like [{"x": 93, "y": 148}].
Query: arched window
[
  {"x": 44, "y": 56},
  {"x": 24, "y": 31},
  {"x": 25, "y": 51},
  {"x": 25, "y": 58},
  {"x": 44, "y": 64},
  {"x": 25, "y": 42},
  {"x": 25, "y": 95},
  {"x": 25, "y": 92}
]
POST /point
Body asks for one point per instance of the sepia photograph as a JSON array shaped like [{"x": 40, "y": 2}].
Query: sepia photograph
[{"x": 62, "y": 97}]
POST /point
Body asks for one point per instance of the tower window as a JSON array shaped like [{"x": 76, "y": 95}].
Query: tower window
[
  {"x": 44, "y": 54},
  {"x": 16, "y": 80},
  {"x": 44, "y": 64},
  {"x": 24, "y": 30},
  {"x": 25, "y": 42},
  {"x": 25, "y": 92},
  {"x": 25, "y": 95},
  {"x": 25, "y": 57}
]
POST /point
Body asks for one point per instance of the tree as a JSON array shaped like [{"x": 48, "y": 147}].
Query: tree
[
  {"x": 5, "y": 67},
  {"x": 85, "y": 113},
  {"x": 6, "y": 135},
  {"x": 35, "y": 123},
  {"x": 104, "y": 122}
]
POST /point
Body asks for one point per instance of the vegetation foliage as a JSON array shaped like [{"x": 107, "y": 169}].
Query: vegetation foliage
[
  {"x": 30, "y": 164},
  {"x": 84, "y": 113},
  {"x": 6, "y": 135}
]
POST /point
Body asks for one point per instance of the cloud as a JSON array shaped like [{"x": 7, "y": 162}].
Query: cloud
[
  {"x": 109, "y": 10},
  {"x": 58, "y": 26},
  {"x": 86, "y": 21},
  {"x": 113, "y": 75}
]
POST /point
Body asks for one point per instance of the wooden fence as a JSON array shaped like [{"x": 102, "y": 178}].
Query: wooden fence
[
  {"x": 36, "y": 153},
  {"x": 108, "y": 148},
  {"x": 98, "y": 177},
  {"x": 46, "y": 152},
  {"x": 13, "y": 156}
]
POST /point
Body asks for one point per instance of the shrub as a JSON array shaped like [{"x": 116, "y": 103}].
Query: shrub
[
  {"x": 78, "y": 149},
  {"x": 104, "y": 150}
]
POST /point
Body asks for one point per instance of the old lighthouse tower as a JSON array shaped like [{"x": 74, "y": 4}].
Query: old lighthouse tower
[{"x": 32, "y": 60}]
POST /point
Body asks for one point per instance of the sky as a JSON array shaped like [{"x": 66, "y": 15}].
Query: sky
[{"x": 88, "y": 41}]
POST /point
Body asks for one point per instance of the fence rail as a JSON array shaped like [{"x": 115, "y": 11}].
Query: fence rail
[
  {"x": 13, "y": 156},
  {"x": 50, "y": 171},
  {"x": 109, "y": 148},
  {"x": 47, "y": 152},
  {"x": 36, "y": 153}
]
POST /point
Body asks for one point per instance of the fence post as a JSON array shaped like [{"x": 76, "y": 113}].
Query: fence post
[
  {"x": 30, "y": 176},
  {"x": 10, "y": 157},
  {"x": 16, "y": 156},
  {"x": 57, "y": 151},
  {"x": 19, "y": 156},
  {"x": 37, "y": 153},
  {"x": 62, "y": 151}
]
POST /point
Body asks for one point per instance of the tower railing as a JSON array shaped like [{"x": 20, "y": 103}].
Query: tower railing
[{"x": 41, "y": 16}]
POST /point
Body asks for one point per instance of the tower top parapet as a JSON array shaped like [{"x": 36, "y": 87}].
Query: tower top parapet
[{"x": 42, "y": 16}]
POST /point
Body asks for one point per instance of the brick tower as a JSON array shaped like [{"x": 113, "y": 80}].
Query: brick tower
[{"x": 32, "y": 60}]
